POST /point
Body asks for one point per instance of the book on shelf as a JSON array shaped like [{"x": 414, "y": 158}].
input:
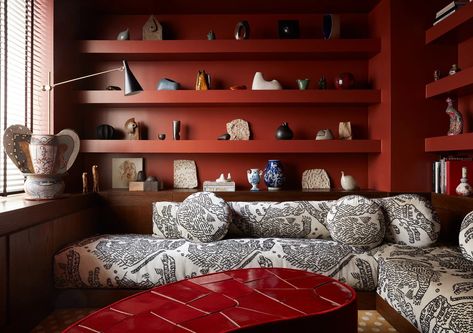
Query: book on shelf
[{"x": 212, "y": 186}]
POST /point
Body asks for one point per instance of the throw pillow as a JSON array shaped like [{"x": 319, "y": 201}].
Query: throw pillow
[
  {"x": 164, "y": 219},
  {"x": 357, "y": 221},
  {"x": 466, "y": 236},
  {"x": 203, "y": 217},
  {"x": 410, "y": 220}
]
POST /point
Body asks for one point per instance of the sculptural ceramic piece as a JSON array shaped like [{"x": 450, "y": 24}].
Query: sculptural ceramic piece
[
  {"x": 85, "y": 182},
  {"x": 43, "y": 187},
  {"x": 273, "y": 175},
  {"x": 288, "y": 29},
  {"x": 161, "y": 136},
  {"x": 344, "y": 130},
  {"x": 324, "y": 134},
  {"x": 454, "y": 69},
  {"x": 331, "y": 26},
  {"x": 302, "y": 84},
  {"x": 238, "y": 129},
  {"x": 456, "y": 119},
  {"x": 436, "y": 75},
  {"x": 464, "y": 188},
  {"x": 322, "y": 83},
  {"x": 167, "y": 84},
  {"x": 95, "y": 178},
  {"x": 16, "y": 141},
  {"x": 259, "y": 83},
  {"x": 283, "y": 132},
  {"x": 224, "y": 136},
  {"x": 315, "y": 179},
  {"x": 105, "y": 132},
  {"x": 211, "y": 35},
  {"x": 242, "y": 30},
  {"x": 254, "y": 177},
  {"x": 345, "y": 80},
  {"x": 152, "y": 30},
  {"x": 185, "y": 174},
  {"x": 202, "y": 81},
  {"x": 124, "y": 35},
  {"x": 348, "y": 182},
  {"x": 176, "y": 129},
  {"x": 132, "y": 129}
]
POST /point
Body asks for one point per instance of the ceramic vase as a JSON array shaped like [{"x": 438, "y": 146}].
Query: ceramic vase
[
  {"x": 254, "y": 177},
  {"x": 283, "y": 132},
  {"x": 464, "y": 189},
  {"x": 43, "y": 151},
  {"x": 44, "y": 187},
  {"x": 273, "y": 175},
  {"x": 176, "y": 129}
]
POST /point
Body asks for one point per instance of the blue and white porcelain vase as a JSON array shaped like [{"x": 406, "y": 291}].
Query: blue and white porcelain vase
[
  {"x": 254, "y": 177},
  {"x": 273, "y": 175}
]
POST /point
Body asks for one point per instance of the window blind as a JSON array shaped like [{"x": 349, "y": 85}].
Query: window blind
[{"x": 23, "y": 59}]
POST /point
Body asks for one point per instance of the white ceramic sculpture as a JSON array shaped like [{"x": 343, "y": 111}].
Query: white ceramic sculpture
[
  {"x": 348, "y": 182},
  {"x": 324, "y": 134},
  {"x": 259, "y": 83}
]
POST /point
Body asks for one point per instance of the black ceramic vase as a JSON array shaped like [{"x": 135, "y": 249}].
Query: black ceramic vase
[
  {"x": 283, "y": 132},
  {"x": 105, "y": 132}
]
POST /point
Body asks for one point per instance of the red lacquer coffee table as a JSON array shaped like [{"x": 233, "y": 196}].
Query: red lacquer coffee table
[{"x": 244, "y": 300}]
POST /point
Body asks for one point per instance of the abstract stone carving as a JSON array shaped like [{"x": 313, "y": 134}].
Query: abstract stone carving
[
  {"x": 344, "y": 130},
  {"x": 315, "y": 179},
  {"x": 185, "y": 174},
  {"x": 152, "y": 30},
  {"x": 238, "y": 129}
]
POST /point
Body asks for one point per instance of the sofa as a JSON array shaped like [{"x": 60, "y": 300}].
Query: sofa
[{"x": 385, "y": 245}]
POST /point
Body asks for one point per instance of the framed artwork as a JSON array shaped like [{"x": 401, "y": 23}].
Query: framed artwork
[{"x": 125, "y": 170}]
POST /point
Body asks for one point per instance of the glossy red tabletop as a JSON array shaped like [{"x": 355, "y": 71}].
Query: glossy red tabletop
[{"x": 244, "y": 300}]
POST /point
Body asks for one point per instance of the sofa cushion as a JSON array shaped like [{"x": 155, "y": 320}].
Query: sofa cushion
[
  {"x": 432, "y": 288},
  {"x": 466, "y": 236},
  {"x": 144, "y": 261},
  {"x": 164, "y": 219},
  {"x": 291, "y": 219},
  {"x": 357, "y": 221},
  {"x": 203, "y": 217},
  {"x": 410, "y": 220}
]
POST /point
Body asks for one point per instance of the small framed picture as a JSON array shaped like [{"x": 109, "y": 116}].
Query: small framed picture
[{"x": 125, "y": 170}]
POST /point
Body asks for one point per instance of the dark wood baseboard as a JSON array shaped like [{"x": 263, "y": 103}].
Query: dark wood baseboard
[
  {"x": 366, "y": 300},
  {"x": 393, "y": 317},
  {"x": 90, "y": 298}
]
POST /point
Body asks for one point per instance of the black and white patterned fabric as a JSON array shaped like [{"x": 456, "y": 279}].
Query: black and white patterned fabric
[
  {"x": 203, "y": 217},
  {"x": 144, "y": 261},
  {"x": 357, "y": 221},
  {"x": 410, "y": 220},
  {"x": 432, "y": 288},
  {"x": 289, "y": 219},
  {"x": 165, "y": 219},
  {"x": 465, "y": 238}
]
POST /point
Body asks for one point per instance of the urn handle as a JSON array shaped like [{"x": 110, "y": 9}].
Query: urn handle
[{"x": 68, "y": 149}]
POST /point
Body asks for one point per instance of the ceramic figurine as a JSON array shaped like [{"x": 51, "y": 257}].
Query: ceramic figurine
[
  {"x": 436, "y": 75},
  {"x": 273, "y": 175},
  {"x": 140, "y": 176},
  {"x": 348, "y": 182},
  {"x": 288, "y": 29},
  {"x": 259, "y": 83},
  {"x": 229, "y": 177},
  {"x": 95, "y": 178},
  {"x": 211, "y": 35},
  {"x": 202, "y": 81},
  {"x": 254, "y": 177},
  {"x": 152, "y": 30},
  {"x": 456, "y": 119},
  {"x": 161, "y": 136},
  {"x": 105, "y": 132},
  {"x": 176, "y": 129},
  {"x": 85, "y": 182},
  {"x": 132, "y": 129},
  {"x": 220, "y": 179},
  {"x": 303, "y": 84},
  {"x": 283, "y": 132},
  {"x": 124, "y": 35},
  {"x": 331, "y": 26},
  {"x": 242, "y": 30},
  {"x": 344, "y": 130},
  {"x": 324, "y": 134},
  {"x": 345, "y": 81},
  {"x": 454, "y": 69},
  {"x": 464, "y": 189},
  {"x": 322, "y": 83},
  {"x": 167, "y": 84}
]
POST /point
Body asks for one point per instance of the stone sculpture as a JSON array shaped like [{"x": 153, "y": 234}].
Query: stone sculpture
[
  {"x": 132, "y": 130},
  {"x": 259, "y": 83},
  {"x": 456, "y": 119},
  {"x": 344, "y": 130},
  {"x": 324, "y": 134},
  {"x": 185, "y": 174},
  {"x": 152, "y": 30},
  {"x": 315, "y": 179},
  {"x": 238, "y": 129}
]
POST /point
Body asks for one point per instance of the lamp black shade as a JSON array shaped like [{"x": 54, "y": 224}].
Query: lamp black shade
[{"x": 132, "y": 86}]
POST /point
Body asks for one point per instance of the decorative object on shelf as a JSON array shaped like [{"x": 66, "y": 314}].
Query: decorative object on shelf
[
  {"x": 218, "y": 186},
  {"x": 283, "y": 132},
  {"x": 124, "y": 35},
  {"x": 348, "y": 182},
  {"x": 456, "y": 119},
  {"x": 221, "y": 179},
  {"x": 85, "y": 182},
  {"x": 254, "y": 177},
  {"x": 167, "y": 84},
  {"x": 324, "y": 134},
  {"x": 151, "y": 179},
  {"x": 345, "y": 80},
  {"x": 303, "y": 84},
  {"x": 464, "y": 188},
  {"x": 242, "y": 30},
  {"x": 202, "y": 81},
  {"x": 140, "y": 176},
  {"x": 176, "y": 130},
  {"x": 238, "y": 87},
  {"x": 44, "y": 187},
  {"x": 436, "y": 75},
  {"x": 161, "y": 136},
  {"x": 315, "y": 179},
  {"x": 16, "y": 141},
  {"x": 238, "y": 129},
  {"x": 259, "y": 83},
  {"x": 322, "y": 83},
  {"x": 152, "y": 30},
  {"x": 132, "y": 129},
  {"x": 185, "y": 174},
  {"x": 331, "y": 26},
  {"x": 211, "y": 35},
  {"x": 225, "y": 136},
  {"x": 273, "y": 175},
  {"x": 454, "y": 69},
  {"x": 105, "y": 132},
  {"x": 113, "y": 88},
  {"x": 344, "y": 130},
  {"x": 143, "y": 186},
  {"x": 124, "y": 171},
  {"x": 229, "y": 177},
  {"x": 288, "y": 29},
  {"x": 95, "y": 178}
]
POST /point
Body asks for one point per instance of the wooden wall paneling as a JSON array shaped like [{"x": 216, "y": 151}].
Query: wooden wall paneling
[{"x": 3, "y": 280}]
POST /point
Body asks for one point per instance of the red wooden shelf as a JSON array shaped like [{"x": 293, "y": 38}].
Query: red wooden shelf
[
  {"x": 456, "y": 27},
  {"x": 230, "y": 147},
  {"x": 267, "y": 49},
  {"x": 449, "y": 143},
  {"x": 460, "y": 83},
  {"x": 231, "y": 97}
]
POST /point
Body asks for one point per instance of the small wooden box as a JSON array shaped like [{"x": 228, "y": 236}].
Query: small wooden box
[{"x": 150, "y": 186}]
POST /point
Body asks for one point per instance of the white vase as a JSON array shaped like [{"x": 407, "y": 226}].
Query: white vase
[
  {"x": 259, "y": 83},
  {"x": 348, "y": 182},
  {"x": 254, "y": 177}
]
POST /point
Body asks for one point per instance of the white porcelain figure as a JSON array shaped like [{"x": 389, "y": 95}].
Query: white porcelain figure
[
  {"x": 254, "y": 177},
  {"x": 464, "y": 189},
  {"x": 348, "y": 182},
  {"x": 259, "y": 83}
]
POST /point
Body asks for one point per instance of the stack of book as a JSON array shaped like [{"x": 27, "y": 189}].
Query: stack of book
[
  {"x": 447, "y": 173},
  {"x": 449, "y": 10},
  {"x": 213, "y": 186}
]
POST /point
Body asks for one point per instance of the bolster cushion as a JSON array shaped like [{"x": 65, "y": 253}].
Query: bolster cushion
[
  {"x": 164, "y": 219},
  {"x": 466, "y": 236}
]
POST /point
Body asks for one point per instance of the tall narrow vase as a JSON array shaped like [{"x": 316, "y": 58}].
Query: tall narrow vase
[{"x": 273, "y": 175}]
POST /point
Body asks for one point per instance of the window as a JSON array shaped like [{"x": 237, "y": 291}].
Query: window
[{"x": 24, "y": 53}]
